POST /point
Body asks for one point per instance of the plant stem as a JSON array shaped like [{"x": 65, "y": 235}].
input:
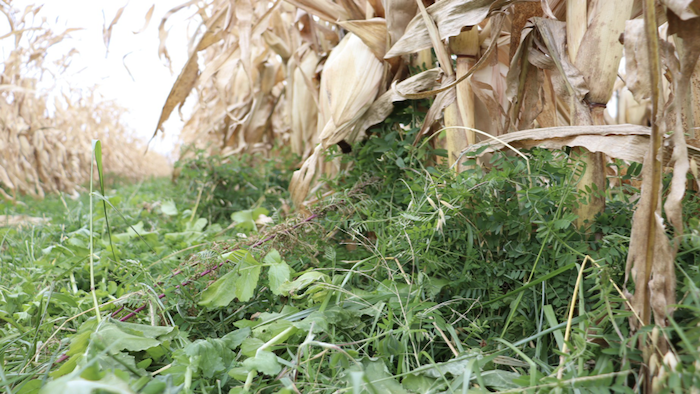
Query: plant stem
[{"x": 92, "y": 268}]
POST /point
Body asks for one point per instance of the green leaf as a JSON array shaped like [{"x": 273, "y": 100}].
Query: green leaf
[
  {"x": 247, "y": 282},
  {"x": 145, "y": 330},
  {"x": 302, "y": 282},
  {"x": 199, "y": 225},
  {"x": 500, "y": 380},
  {"x": 278, "y": 274},
  {"x": 265, "y": 362},
  {"x": 422, "y": 384},
  {"x": 221, "y": 292},
  {"x": 377, "y": 374},
  {"x": 273, "y": 257},
  {"x": 320, "y": 323},
  {"x": 31, "y": 387},
  {"x": 210, "y": 356},
  {"x": 74, "y": 384},
  {"x": 169, "y": 208},
  {"x": 246, "y": 219},
  {"x": 111, "y": 335},
  {"x": 250, "y": 346},
  {"x": 234, "y": 338},
  {"x": 238, "y": 373}
]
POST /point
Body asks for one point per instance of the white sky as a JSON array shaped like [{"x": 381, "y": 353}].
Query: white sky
[{"x": 143, "y": 96}]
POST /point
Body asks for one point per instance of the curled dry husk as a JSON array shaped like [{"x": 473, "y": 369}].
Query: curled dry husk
[{"x": 349, "y": 84}]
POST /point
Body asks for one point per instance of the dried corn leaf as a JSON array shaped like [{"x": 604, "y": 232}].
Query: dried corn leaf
[
  {"x": 685, "y": 9},
  {"x": 107, "y": 31},
  {"x": 277, "y": 44},
  {"x": 637, "y": 60},
  {"x": 324, "y": 9},
  {"x": 188, "y": 76},
  {"x": 303, "y": 106},
  {"x": 553, "y": 35},
  {"x": 163, "y": 34},
  {"x": 352, "y": 9},
  {"x": 662, "y": 279},
  {"x": 398, "y": 15},
  {"x": 300, "y": 184},
  {"x": 180, "y": 90},
  {"x": 650, "y": 262},
  {"x": 435, "y": 112},
  {"x": 378, "y": 7},
  {"x": 382, "y": 107},
  {"x": 599, "y": 55},
  {"x": 450, "y": 16},
  {"x": 244, "y": 25},
  {"x": 688, "y": 32},
  {"x": 626, "y": 142}
]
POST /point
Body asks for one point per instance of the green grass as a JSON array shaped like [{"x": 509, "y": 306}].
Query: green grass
[{"x": 410, "y": 279}]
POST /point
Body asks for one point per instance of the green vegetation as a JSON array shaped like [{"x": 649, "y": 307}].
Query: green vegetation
[{"x": 408, "y": 279}]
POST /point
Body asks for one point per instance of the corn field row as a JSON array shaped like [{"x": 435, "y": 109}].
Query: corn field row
[{"x": 46, "y": 133}]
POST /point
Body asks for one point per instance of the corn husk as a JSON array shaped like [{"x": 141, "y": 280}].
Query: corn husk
[{"x": 349, "y": 84}]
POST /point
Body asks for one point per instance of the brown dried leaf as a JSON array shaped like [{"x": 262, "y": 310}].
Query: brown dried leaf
[
  {"x": 435, "y": 112},
  {"x": 378, "y": 7},
  {"x": 688, "y": 32},
  {"x": 650, "y": 261},
  {"x": 352, "y": 9},
  {"x": 300, "y": 184},
  {"x": 149, "y": 14},
  {"x": 107, "y": 31},
  {"x": 599, "y": 55},
  {"x": 626, "y": 142},
  {"x": 685, "y": 9},
  {"x": 398, "y": 14},
  {"x": 382, "y": 107},
  {"x": 180, "y": 90},
  {"x": 324, "y": 9},
  {"x": 244, "y": 16},
  {"x": 302, "y": 101},
  {"x": 637, "y": 60},
  {"x": 449, "y": 15},
  {"x": 190, "y": 72},
  {"x": 163, "y": 34},
  {"x": 662, "y": 276},
  {"x": 553, "y": 33},
  {"x": 452, "y": 83}
]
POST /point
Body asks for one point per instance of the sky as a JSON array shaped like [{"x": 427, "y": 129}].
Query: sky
[{"x": 144, "y": 95}]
